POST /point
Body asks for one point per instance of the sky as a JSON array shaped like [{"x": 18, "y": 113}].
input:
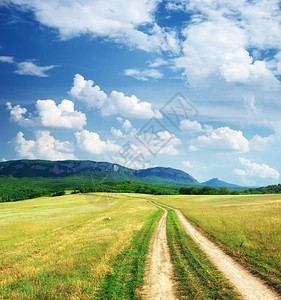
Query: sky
[{"x": 192, "y": 85}]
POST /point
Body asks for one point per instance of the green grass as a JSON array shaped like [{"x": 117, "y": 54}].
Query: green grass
[
  {"x": 196, "y": 276},
  {"x": 246, "y": 227},
  {"x": 125, "y": 278},
  {"x": 62, "y": 247}
]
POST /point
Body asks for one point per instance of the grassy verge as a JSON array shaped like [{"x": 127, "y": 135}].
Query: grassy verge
[
  {"x": 62, "y": 247},
  {"x": 197, "y": 277},
  {"x": 125, "y": 277},
  {"x": 246, "y": 227}
]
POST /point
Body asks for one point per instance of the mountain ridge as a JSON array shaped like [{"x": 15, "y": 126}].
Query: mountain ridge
[
  {"x": 103, "y": 171},
  {"x": 99, "y": 171}
]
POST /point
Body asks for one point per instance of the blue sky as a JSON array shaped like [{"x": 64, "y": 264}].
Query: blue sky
[{"x": 193, "y": 85}]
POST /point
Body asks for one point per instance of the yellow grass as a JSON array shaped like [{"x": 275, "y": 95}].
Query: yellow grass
[
  {"x": 248, "y": 227},
  {"x": 61, "y": 247}
]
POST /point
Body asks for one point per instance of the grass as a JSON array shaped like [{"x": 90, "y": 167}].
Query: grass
[
  {"x": 247, "y": 227},
  {"x": 125, "y": 279},
  {"x": 196, "y": 276},
  {"x": 62, "y": 247}
]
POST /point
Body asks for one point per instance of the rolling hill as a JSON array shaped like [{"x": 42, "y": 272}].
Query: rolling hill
[{"x": 215, "y": 182}]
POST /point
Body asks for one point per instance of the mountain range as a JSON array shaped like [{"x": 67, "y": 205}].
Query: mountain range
[{"x": 102, "y": 171}]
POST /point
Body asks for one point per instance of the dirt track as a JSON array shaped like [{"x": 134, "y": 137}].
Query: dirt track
[
  {"x": 159, "y": 270},
  {"x": 249, "y": 286}
]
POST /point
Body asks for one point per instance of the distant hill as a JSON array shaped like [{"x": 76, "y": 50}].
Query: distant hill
[
  {"x": 96, "y": 171},
  {"x": 215, "y": 182}
]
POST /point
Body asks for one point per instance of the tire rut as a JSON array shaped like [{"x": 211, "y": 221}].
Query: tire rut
[
  {"x": 159, "y": 283},
  {"x": 249, "y": 286}
]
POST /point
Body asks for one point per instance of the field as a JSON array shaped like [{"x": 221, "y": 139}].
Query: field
[
  {"x": 247, "y": 227},
  {"x": 61, "y": 247}
]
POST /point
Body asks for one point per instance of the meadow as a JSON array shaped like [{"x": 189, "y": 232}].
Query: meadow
[
  {"x": 247, "y": 227},
  {"x": 62, "y": 247}
]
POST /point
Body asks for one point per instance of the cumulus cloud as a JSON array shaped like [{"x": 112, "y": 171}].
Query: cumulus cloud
[
  {"x": 127, "y": 125},
  {"x": 190, "y": 126},
  {"x": 223, "y": 138},
  {"x": 118, "y": 20},
  {"x": 254, "y": 169},
  {"x": 49, "y": 115},
  {"x": 240, "y": 68},
  {"x": 116, "y": 132},
  {"x": 259, "y": 143},
  {"x": 116, "y": 103},
  {"x": 220, "y": 37},
  {"x": 44, "y": 147},
  {"x": 128, "y": 106},
  {"x": 91, "y": 142},
  {"x": 87, "y": 92},
  {"x": 144, "y": 74},
  {"x": 160, "y": 142},
  {"x": 131, "y": 156},
  {"x": 59, "y": 116}
]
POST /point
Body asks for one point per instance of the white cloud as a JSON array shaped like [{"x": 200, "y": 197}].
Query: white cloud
[
  {"x": 116, "y": 132},
  {"x": 192, "y": 148},
  {"x": 205, "y": 48},
  {"x": 255, "y": 169},
  {"x": 127, "y": 125},
  {"x": 250, "y": 104},
  {"x": 119, "y": 20},
  {"x": 85, "y": 91},
  {"x": 91, "y": 142},
  {"x": 223, "y": 138},
  {"x": 44, "y": 147},
  {"x": 3, "y": 159},
  {"x": 240, "y": 68},
  {"x": 116, "y": 103},
  {"x": 158, "y": 62},
  {"x": 49, "y": 115},
  {"x": 59, "y": 116},
  {"x": 220, "y": 36},
  {"x": 161, "y": 142},
  {"x": 144, "y": 74},
  {"x": 27, "y": 67},
  {"x": 30, "y": 68},
  {"x": 7, "y": 59},
  {"x": 131, "y": 156},
  {"x": 259, "y": 143},
  {"x": 16, "y": 114},
  {"x": 190, "y": 126},
  {"x": 128, "y": 106}
]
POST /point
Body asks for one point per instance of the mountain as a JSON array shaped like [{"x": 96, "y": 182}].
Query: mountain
[
  {"x": 96, "y": 171},
  {"x": 215, "y": 182}
]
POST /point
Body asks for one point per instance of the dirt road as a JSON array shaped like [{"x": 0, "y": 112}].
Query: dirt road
[
  {"x": 249, "y": 286},
  {"x": 158, "y": 279}
]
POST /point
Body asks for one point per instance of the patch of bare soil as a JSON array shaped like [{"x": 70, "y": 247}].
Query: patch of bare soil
[{"x": 158, "y": 278}]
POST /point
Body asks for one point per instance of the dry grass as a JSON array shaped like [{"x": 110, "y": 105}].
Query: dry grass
[
  {"x": 61, "y": 247},
  {"x": 247, "y": 227}
]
